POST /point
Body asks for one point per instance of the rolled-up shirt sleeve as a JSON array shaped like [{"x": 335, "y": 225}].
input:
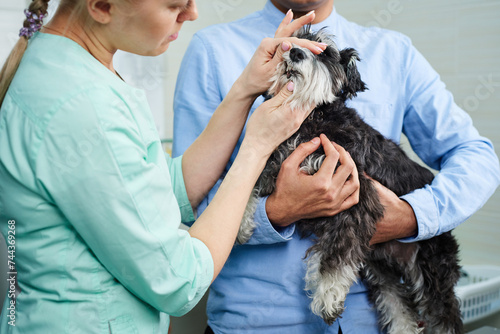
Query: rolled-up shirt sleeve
[
  {"x": 443, "y": 136},
  {"x": 265, "y": 233},
  {"x": 124, "y": 198}
]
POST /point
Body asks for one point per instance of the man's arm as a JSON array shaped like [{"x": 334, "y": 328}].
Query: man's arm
[{"x": 444, "y": 137}]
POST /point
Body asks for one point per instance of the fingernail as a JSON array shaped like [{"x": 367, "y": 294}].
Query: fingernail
[
  {"x": 285, "y": 46},
  {"x": 319, "y": 49},
  {"x": 290, "y": 86},
  {"x": 315, "y": 141},
  {"x": 289, "y": 11},
  {"x": 324, "y": 44},
  {"x": 310, "y": 13}
]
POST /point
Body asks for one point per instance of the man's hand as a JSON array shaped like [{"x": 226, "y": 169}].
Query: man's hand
[
  {"x": 326, "y": 193},
  {"x": 399, "y": 220}
]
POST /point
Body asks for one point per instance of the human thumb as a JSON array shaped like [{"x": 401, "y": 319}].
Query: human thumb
[
  {"x": 278, "y": 55},
  {"x": 303, "y": 151},
  {"x": 283, "y": 94}
]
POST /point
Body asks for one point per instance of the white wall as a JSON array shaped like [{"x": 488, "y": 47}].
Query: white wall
[{"x": 11, "y": 19}]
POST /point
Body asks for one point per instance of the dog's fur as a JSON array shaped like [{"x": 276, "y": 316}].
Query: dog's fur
[{"x": 410, "y": 284}]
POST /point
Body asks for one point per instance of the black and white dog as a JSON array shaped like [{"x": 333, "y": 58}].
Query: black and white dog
[{"x": 410, "y": 285}]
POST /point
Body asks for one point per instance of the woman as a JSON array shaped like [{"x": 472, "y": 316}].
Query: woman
[{"x": 89, "y": 203}]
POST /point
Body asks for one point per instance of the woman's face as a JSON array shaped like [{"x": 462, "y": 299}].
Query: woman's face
[{"x": 146, "y": 27}]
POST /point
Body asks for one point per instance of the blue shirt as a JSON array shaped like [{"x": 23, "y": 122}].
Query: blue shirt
[
  {"x": 93, "y": 200},
  {"x": 261, "y": 288}
]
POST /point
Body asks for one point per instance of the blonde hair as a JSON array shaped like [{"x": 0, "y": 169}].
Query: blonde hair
[
  {"x": 74, "y": 7},
  {"x": 12, "y": 63}
]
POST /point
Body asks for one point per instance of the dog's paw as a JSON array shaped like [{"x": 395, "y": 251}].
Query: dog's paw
[
  {"x": 327, "y": 308},
  {"x": 333, "y": 313},
  {"x": 243, "y": 236},
  {"x": 248, "y": 225},
  {"x": 246, "y": 231},
  {"x": 404, "y": 325}
]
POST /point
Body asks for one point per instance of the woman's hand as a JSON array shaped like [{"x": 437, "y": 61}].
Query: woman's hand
[
  {"x": 255, "y": 79},
  {"x": 329, "y": 191},
  {"x": 287, "y": 27},
  {"x": 273, "y": 122}
]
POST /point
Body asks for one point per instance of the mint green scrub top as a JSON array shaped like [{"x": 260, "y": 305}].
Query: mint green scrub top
[{"x": 96, "y": 202}]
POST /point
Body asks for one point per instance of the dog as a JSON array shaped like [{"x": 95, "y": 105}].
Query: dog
[{"x": 411, "y": 285}]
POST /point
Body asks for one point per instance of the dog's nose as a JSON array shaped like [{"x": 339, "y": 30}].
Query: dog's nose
[{"x": 297, "y": 55}]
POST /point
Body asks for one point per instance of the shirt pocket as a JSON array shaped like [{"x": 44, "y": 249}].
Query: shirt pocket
[
  {"x": 382, "y": 117},
  {"x": 122, "y": 325}
]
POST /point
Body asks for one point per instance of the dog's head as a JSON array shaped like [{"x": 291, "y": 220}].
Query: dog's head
[{"x": 318, "y": 79}]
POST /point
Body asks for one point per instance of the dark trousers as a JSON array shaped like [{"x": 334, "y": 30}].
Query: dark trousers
[{"x": 210, "y": 331}]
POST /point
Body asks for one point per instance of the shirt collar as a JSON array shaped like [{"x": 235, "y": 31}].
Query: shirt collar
[{"x": 274, "y": 16}]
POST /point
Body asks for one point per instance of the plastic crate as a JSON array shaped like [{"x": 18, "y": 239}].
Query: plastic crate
[{"x": 479, "y": 292}]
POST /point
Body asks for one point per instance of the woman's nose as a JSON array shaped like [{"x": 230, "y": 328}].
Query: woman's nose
[{"x": 190, "y": 14}]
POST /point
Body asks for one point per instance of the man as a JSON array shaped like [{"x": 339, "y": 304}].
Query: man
[{"x": 261, "y": 288}]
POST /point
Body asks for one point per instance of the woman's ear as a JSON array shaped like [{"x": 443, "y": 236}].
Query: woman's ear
[{"x": 100, "y": 10}]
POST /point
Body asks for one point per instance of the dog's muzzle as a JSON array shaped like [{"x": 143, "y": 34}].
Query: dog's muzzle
[{"x": 297, "y": 55}]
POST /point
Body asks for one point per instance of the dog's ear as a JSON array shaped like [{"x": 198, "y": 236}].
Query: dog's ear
[{"x": 353, "y": 84}]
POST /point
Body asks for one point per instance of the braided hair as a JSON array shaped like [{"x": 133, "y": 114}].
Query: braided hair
[{"x": 35, "y": 13}]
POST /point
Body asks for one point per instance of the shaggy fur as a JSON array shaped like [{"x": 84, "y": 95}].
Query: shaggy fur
[{"x": 410, "y": 285}]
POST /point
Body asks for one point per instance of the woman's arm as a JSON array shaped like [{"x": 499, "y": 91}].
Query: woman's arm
[
  {"x": 270, "y": 124},
  {"x": 205, "y": 159}
]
